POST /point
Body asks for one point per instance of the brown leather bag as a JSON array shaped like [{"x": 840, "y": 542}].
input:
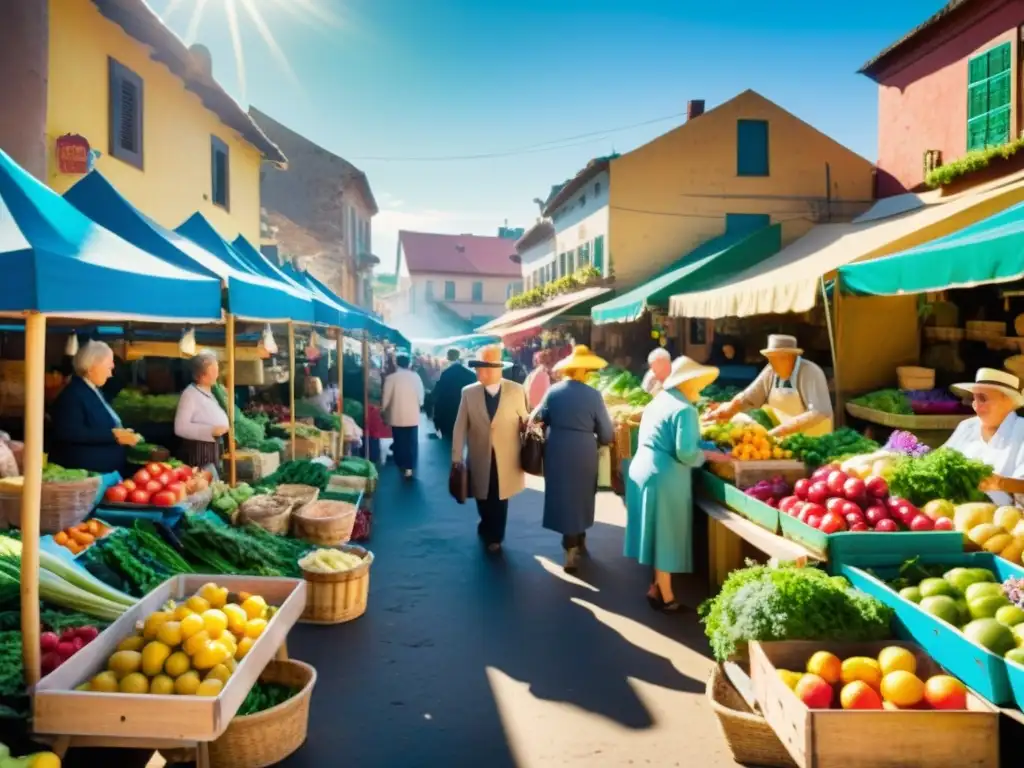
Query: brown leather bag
[{"x": 458, "y": 482}]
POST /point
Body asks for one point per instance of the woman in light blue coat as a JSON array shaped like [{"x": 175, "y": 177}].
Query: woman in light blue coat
[{"x": 659, "y": 493}]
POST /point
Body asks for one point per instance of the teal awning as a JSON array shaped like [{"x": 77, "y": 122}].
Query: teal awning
[
  {"x": 988, "y": 251},
  {"x": 702, "y": 268}
]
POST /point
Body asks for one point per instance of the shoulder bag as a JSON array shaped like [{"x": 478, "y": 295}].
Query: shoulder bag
[{"x": 531, "y": 450}]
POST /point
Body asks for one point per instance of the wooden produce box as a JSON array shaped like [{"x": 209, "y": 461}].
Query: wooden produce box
[
  {"x": 744, "y": 474},
  {"x": 836, "y": 738},
  {"x": 137, "y": 719},
  {"x": 252, "y": 465}
]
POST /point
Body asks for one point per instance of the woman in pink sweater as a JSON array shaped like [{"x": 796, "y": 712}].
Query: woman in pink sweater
[{"x": 539, "y": 380}]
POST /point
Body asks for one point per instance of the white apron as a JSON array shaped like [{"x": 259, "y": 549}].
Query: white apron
[{"x": 786, "y": 404}]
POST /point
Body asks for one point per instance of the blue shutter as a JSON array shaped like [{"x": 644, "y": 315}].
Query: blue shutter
[
  {"x": 746, "y": 223},
  {"x": 599, "y": 254},
  {"x": 989, "y": 98},
  {"x": 752, "y": 147}
]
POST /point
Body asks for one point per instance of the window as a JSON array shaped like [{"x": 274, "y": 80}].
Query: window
[
  {"x": 988, "y": 98},
  {"x": 125, "y": 114},
  {"x": 698, "y": 331},
  {"x": 597, "y": 188},
  {"x": 512, "y": 289},
  {"x": 583, "y": 200},
  {"x": 220, "y": 172},
  {"x": 353, "y": 238},
  {"x": 561, "y": 264},
  {"x": 429, "y": 294},
  {"x": 570, "y": 262},
  {"x": 599, "y": 254},
  {"x": 751, "y": 147},
  {"x": 449, "y": 290},
  {"x": 478, "y": 291},
  {"x": 746, "y": 223}
]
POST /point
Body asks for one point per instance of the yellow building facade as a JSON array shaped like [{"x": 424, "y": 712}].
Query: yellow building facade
[
  {"x": 161, "y": 144},
  {"x": 680, "y": 190}
]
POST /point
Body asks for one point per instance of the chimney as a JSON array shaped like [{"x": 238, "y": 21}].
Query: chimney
[
  {"x": 694, "y": 108},
  {"x": 202, "y": 59}
]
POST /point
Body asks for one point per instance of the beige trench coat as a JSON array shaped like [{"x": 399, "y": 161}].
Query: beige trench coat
[{"x": 473, "y": 425}]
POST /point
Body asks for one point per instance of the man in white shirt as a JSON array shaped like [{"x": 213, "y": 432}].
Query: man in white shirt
[
  {"x": 403, "y": 398},
  {"x": 659, "y": 363}
]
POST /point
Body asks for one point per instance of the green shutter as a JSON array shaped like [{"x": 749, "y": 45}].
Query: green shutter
[
  {"x": 989, "y": 98},
  {"x": 599, "y": 253}
]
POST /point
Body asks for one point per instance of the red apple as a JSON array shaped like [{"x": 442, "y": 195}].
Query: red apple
[
  {"x": 853, "y": 488},
  {"x": 832, "y": 523},
  {"x": 858, "y": 527},
  {"x": 877, "y": 487},
  {"x": 821, "y": 473},
  {"x": 875, "y": 514},
  {"x": 886, "y": 526},
  {"x": 818, "y": 493},
  {"x": 853, "y": 518},
  {"x": 787, "y": 503},
  {"x": 801, "y": 487},
  {"x": 835, "y": 482},
  {"x": 835, "y": 504},
  {"x": 849, "y": 508},
  {"x": 814, "y": 520},
  {"x": 922, "y": 523},
  {"x": 814, "y": 692},
  {"x": 943, "y": 524},
  {"x": 892, "y": 502}
]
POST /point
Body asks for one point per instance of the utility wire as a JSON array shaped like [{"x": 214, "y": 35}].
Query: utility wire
[{"x": 543, "y": 146}]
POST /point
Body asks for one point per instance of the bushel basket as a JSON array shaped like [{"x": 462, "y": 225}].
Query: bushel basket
[
  {"x": 751, "y": 740},
  {"x": 325, "y": 523},
  {"x": 333, "y": 598},
  {"x": 299, "y": 495},
  {"x": 61, "y": 505},
  {"x": 271, "y": 513}
]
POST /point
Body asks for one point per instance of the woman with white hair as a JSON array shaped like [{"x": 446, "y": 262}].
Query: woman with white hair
[
  {"x": 659, "y": 363},
  {"x": 87, "y": 433},
  {"x": 200, "y": 422}
]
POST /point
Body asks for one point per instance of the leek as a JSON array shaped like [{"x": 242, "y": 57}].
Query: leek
[
  {"x": 76, "y": 577},
  {"x": 55, "y": 590}
]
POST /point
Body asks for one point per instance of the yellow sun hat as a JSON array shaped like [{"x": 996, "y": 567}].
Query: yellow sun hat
[{"x": 581, "y": 359}]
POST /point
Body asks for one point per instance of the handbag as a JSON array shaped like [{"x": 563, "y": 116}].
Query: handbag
[
  {"x": 531, "y": 451},
  {"x": 458, "y": 482}
]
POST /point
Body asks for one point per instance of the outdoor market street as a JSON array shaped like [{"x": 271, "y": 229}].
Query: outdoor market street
[{"x": 463, "y": 660}]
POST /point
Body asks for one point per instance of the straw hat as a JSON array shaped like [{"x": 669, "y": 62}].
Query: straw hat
[
  {"x": 779, "y": 343},
  {"x": 993, "y": 379},
  {"x": 684, "y": 369},
  {"x": 489, "y": 357},
  {"x": 581, "y": 358}
]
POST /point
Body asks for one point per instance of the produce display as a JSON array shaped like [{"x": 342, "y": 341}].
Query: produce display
[
  {"x": 745, "y": 440},
  {"x": 189, "y": 648},
  {"x": 137, "y": 407},
  {"x": 356, "y": 467},
  {"x": 940, "y": 474},
  {"x": 56, "y": 649},
  {"x": 330, "y": 561},
  {"x": 35, "y": 760},
  {"x": 771, "y": 492},
  {"x": 298, "y": 472},
  {"x": 271, "y": 445},
  {"x": 264, "y": 696},
  {"x": 54, "y": 473},
  {"x": 305, "y": 431},
  {"x": 907, "y": 444},
  {"x": 249, "y": 433},
  {"x": 159, "y": 484},
  {"x": 272, "y": 411},
  {"x": 886, "y": 400},
  {"x": 246, "y": 550},
  {"x": 713, "y": 394},
  {"x": 999, "y": 530},
  {"x": 78, "y": 538},
  {"x": 841, "y": 444},
  {"x": 888, "y": 681},
  {"x": 226, "y": 499},
  {"x": 134, "y": 560},
  {"x": 935, "y": 402},
  {"x": 353, "y": 409},
  {"x": 786, "y": 602}
]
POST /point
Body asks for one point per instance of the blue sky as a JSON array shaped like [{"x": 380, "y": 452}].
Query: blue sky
[{"x": 402, "y": 79}]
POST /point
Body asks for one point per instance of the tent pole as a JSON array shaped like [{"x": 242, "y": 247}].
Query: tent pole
[
  {"x": 35, "y": 367},
  {"x": 229, "y": 342},
  {"x": 291, "y": 382},
  {"x": 339, "y": 340},
  {"x": 366, "y": 397}
]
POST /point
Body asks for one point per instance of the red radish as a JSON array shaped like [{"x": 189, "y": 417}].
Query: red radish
[
  {"x": 814, "y": 520},
  {"x": 88, "y": 633},
  {"x": 836, "y": 481},
  {"x": 943, "y": 524},
  {"x": 818, "y": 493},
  {"x": 832, "y": 523},
  {"x": 788, "y": 503},
  {"x": 65, "y": 650},
  {"x": 853, "y": 488},
  {"x": 801, "y": 487},
  {"x": 877, "y": 487},
  {"x": 835, "y": 504},
  {"x": 49, "y": 662},
  {"x": 68, "y": 635},
  {"x": 876, "y": 514},
  {"x": 858, "y": 527},
  {"x": 922, "y": 523},
  {"x": 78, "y": 643},
  {"x": 48, "y": 642},
  {"x": 821, "y": 473},
  {"x": 886, "y": 526}
]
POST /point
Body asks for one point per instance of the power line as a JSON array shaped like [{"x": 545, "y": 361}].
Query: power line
[{"x": 529, "y": 149}]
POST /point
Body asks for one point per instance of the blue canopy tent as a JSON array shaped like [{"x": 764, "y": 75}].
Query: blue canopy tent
[
  {"x": 249, "y": 296},
  {"x": 283, "y": 300}
]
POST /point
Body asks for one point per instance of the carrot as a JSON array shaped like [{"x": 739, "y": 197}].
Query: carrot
[
  {"x": 83, "y": 527},
  {"x": 61, "y": 538},
  {"x": 93, "y": 527},
  {"x": 82, "y": 538},
  {"x": 75, "y": 547}
]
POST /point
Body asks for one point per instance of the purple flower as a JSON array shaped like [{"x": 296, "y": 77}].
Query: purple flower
[{"x": 904, "y": 442}]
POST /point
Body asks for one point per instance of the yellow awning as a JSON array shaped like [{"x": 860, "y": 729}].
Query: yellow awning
[{"x": 789, "y": 281}]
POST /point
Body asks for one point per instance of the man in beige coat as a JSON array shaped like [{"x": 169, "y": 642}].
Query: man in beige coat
[{"x": 490, "y": 414}]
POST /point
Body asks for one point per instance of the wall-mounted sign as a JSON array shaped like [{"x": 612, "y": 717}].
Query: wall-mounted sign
[{"x": 73, "y": 155}]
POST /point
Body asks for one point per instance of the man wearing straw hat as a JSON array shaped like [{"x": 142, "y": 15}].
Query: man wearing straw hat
[
  {"x": 792, "y": 389},
  {"x": 490, "y": 414}
]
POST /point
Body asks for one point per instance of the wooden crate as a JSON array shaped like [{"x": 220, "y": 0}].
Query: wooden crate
[
  {"x": 835, "y": 738},
  {"x": 141, "y": 719},
  {"x": 744, "y": 474}
]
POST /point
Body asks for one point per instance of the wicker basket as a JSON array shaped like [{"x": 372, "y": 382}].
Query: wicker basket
[
  {"x": 61, "y": 505},
  {"x": 333, "y": 598},
  {"x": 941, "y": 333},
  {"x": 276, "y": 522},
  {"x": 325, "y": 523},
  {"x": 299, "y": 495},
  {"x": 912, "y": 377},
  {"x": 979, "y": 330},
  {"x": 353, "y": 482},
  {"x": 751, "y": 740}
]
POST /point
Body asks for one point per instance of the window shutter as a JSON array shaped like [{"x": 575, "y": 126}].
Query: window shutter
[
  {"x": 599, "y": 254},
  {"x": 989, "y": 98},
  {"x": 977, "y": 69},
  {"x": 751, "y": 147},
  {"x": 125, "y": 113}
]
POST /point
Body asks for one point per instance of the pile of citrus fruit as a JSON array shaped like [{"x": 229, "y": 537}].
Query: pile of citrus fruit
[
  {"x": 889, "y": 681},
  {"x": 188, "y": 648}
]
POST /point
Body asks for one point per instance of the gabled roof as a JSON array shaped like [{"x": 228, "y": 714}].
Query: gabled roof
[
  {"x": 949, "y": 9},
  {"x": 540, "y": 232},
  {"x": 458, "y": 254},
  {"x": 139, "y": 21},
  {"x": 592, "y": 169}
]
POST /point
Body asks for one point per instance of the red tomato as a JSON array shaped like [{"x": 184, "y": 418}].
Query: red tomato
[
  {"x": 153, "y": 486},
  {"x": 164, "y": 499},
  {"x": 116, "y": 494},
  {"x": 207, "y": 475},
  {"x": 943, "y": 524},
  {"x": 129, "y": 485},
  {"x": 183, "y": 473},
  {"x": 142, "y": 477},
  {"x": 831, "y": 523},
  {"x": 154, "y": 469},
  {"x": 166, "y": 479},
  {"x": 178, "y": 489},
  {"x": 139, "y": 497}
]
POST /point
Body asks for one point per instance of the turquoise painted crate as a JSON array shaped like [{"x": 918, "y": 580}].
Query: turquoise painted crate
[
  {"x": 728, "y": 494},
  {"x": 985, "y": 672},
  {"x": 812, "y": 538}
]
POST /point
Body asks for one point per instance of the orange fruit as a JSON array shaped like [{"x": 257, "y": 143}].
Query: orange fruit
[
  {"x": 895, "y": 658},
  {"x": 945, "y": 692},
  {"x": 902, "y": 688},
  {"x": 827, "y": 666},
  {"x": 859, "y": 695},
  {"x": 863, "y": 669}
]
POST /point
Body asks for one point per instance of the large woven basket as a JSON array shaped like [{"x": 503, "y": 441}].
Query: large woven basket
[
  {"x": 333, "y": 598},
  {"x": 912, "y": 377},
  {"x": 751, "y": 740},
  {"x": 300, "y": 495},
  {"x": 325, "y": 523},
  {"x": 61, "y": 505},
  {"x": 277, "y": 521}
]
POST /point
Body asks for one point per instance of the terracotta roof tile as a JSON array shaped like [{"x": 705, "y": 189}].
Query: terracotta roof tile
[{"x": 458, "y": 254}]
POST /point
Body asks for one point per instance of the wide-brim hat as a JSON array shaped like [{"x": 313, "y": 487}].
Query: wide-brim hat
[
  {"x": 779, "y": 342},
  {"x": 993, "y": 379},
  {"x": 489, "y": 357},
  {"x": 581, "y": 359},
  {"x": 685, "y": 369}
]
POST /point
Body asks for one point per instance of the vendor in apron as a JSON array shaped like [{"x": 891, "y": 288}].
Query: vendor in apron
[
  {"x": 996, "y": 435},
  {"x": 794, "y": 390}
]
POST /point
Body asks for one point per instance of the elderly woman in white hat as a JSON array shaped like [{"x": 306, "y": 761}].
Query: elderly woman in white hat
[
  {"x": 996, "y": 435},
  {"x": 659, "y": 495},
  {"x": 793, "y": 388}
]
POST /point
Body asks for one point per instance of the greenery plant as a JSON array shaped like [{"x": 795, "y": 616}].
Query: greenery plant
[
  {"x": 971, "y": 163},
  {"x": 534, "y": 297}
]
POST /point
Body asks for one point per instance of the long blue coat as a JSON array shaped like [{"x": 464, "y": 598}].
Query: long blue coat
[
  {"x": 576, "y": 421},
  {"x": 659, "y": 493}
]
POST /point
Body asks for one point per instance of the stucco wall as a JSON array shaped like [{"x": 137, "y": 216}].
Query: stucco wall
[
  {"x": 175, "y": 181},
  {"x": 494, "y": 293},
  {"x": 672, "y": 194},
  {"x": 24, "y": 60},
  {"x": 535, "y": 257},
  {"x": 578, "y": 221},
  {"x": 922, "y": 95}
]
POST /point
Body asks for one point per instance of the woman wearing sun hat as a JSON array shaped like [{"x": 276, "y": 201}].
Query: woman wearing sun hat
[
  {"x": 659, "y": 495},
  {"x": 996, "y": 435},
  {"x": 577, "y": 422}
]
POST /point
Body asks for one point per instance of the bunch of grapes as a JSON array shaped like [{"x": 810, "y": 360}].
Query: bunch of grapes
[{"x": 1014, "y": 590}]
